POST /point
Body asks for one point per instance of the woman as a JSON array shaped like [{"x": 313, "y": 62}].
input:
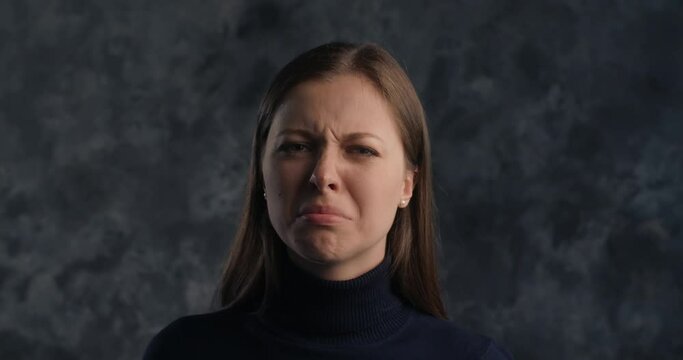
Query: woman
[{"x": 335, "y": 253}]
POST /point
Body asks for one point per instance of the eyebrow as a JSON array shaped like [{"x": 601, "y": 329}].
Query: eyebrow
[{"x": 351, "y": 136}]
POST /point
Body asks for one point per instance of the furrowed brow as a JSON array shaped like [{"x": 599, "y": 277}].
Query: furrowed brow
[
  {"x": 300, "y": 132},
  {"x": 348, "y": 137},
  {"x": 360, "y": 135}
]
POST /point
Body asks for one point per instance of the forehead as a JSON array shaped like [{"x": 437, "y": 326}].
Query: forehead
[{"x": 344, "y": 103}]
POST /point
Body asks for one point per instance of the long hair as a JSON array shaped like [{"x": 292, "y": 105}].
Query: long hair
[{"x": 251, "y": 272}]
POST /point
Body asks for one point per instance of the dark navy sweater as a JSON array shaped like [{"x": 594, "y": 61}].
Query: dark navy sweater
[{"x": 361, "y": 318}]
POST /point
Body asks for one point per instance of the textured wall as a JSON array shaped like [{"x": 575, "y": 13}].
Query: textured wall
[{"x": 556, "y": 125}]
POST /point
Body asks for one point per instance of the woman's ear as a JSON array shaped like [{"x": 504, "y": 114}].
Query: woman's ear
[{"x": 408, "y": 186}]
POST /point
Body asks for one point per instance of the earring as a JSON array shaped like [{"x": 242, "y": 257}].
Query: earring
[
  {"x": 264, "y": 195},
  {"x": 404, "y": 202}
]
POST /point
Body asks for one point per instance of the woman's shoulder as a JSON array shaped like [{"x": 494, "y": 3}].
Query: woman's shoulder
[
  {"x": 456, "y": 339},
  {"x": 187, "y": 334}
]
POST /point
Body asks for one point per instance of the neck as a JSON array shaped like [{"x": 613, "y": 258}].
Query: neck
[
  {"x": 357, "y": 310},
  {"x": 340, "y": 271}
]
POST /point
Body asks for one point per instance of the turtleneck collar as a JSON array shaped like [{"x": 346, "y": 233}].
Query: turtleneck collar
[{"x": 355, "y": 311}]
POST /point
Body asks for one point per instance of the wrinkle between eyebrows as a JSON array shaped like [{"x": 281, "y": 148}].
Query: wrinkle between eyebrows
[{"x": 348, "y": 137}]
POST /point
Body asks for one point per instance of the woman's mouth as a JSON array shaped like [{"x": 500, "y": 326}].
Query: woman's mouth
[{"x": 321, "y": 215}]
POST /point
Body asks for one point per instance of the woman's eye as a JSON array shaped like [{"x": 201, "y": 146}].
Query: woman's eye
[
  {"x": 365, "y": 151},
  {"x": 293, "y": 148}
]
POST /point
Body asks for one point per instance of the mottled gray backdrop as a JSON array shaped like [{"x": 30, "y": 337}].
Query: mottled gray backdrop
[{"x": 556, "y": 126}]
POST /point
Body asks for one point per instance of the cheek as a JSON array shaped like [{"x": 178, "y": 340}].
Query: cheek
[
  {"x": 283, "y": 183},
  {"x": 377, "y": 198},
  {"x": 288, "y": 176}
]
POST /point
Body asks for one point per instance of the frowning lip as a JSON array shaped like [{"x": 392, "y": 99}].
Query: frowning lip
[{"x": 321, "y": 209}]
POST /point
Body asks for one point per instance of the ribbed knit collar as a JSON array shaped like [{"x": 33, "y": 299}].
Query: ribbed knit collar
[{"x": 357, "y": 311}]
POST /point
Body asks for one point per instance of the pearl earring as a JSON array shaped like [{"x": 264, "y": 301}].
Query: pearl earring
[{"x": 403, "y": 202}]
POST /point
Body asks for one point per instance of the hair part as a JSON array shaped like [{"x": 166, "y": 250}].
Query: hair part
[{"x": 251, "y": 272}]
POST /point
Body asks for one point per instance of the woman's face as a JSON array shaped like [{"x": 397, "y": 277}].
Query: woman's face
[{"x": 335, "y": 173}]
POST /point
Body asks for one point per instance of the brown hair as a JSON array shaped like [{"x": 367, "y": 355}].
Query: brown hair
[{"x": 251, "y": 271}]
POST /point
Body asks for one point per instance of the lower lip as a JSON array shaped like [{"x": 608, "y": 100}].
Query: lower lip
[{"x": 322, "y": 219}]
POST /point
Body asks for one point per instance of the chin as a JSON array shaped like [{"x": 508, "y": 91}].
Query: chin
[{"x": 319, "y": 249}]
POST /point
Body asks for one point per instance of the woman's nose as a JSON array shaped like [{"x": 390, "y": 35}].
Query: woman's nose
[{"x": 324, "y": 174}]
